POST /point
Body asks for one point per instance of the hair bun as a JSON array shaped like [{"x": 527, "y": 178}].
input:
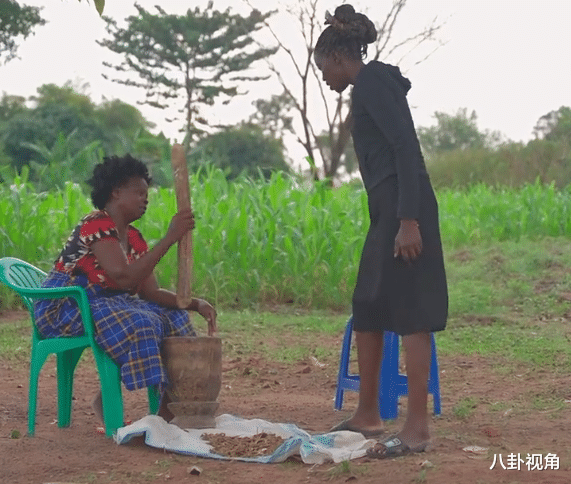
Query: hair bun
[
  {"x": 353, "y": 24},
  {"x": 345, "y": 13},
  {"x": 348, "y": 31}
]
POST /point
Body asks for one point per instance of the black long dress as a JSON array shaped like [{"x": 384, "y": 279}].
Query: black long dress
[{"x": 391, "y": 294}]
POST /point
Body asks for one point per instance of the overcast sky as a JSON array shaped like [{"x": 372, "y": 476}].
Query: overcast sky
[{"x": 509, "y": 60}]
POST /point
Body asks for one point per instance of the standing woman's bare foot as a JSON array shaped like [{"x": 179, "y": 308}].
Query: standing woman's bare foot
[{"x": 97, "y": 406}]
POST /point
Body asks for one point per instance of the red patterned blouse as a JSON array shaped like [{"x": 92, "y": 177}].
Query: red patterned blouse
[{"x": 78, "y": 258}]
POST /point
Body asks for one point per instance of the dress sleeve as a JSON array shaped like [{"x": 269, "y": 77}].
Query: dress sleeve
[
  {"x": 137, "y": 243},
  {"x": 395, "y": 123},
  {"x": 95, "y": 229}
]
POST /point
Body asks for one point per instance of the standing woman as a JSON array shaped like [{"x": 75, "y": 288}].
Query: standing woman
[{"x": 401, "y": 284}]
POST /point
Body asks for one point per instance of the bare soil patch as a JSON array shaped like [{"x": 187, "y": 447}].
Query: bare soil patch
[{"x": 521, "y": 411}]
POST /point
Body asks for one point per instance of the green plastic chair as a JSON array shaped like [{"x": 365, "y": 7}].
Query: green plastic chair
[{"x": 26, "y": 280}]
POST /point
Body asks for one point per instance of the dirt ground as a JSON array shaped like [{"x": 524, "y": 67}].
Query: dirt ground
[{"x": 502, "y": 415}]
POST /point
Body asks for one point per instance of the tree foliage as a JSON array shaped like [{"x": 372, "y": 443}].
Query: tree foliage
[
  {"x": 457, "y": 131},
  {"x": 198, "y": 56},
  {"x": 555, "y": 125},
  {"x": 63, "y": 162},
  {"x": 243, "y": 149},
  {"x": 461, "y": 155},
  {"x": 11, "y": 105},
  {"x": 65, "y": 119},
  {"x": 272, "y": 115},
  {"x": 60, "y": 133},
  {"x": 16, "y": 21}
]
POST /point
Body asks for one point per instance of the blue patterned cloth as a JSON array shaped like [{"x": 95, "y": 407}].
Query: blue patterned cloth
[
  {"x": 129, "y": 329},
  {"x": 313, "y": 449}
]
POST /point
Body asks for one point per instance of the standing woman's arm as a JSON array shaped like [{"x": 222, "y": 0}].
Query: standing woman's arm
[
  {"x": 396, "y": 126},
  {"x": 393, "y": 119}
]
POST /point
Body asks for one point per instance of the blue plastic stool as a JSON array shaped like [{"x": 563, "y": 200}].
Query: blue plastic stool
[{"x": 392, "y": 384}]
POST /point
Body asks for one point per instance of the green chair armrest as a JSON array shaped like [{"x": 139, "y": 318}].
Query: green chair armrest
[
  {"x": 76, "y": 292},
  {"x": 52, "y": 292}
]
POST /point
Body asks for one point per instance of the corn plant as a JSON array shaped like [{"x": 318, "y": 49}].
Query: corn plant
[{"x": 278, "y": 240}]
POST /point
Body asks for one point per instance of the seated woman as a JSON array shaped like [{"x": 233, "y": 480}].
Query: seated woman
[{"x": 110, "y": 259}]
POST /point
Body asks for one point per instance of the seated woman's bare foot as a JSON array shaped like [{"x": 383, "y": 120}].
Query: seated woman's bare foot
[
  {"x": 164, "y": 411},
  {"x": 97, "y": 406}
]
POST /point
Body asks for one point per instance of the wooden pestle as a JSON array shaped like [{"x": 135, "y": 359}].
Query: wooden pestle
[{"x": 184, "y": 249}]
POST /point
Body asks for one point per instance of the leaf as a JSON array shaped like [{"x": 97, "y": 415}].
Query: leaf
[{"x": 99, "y": 5}]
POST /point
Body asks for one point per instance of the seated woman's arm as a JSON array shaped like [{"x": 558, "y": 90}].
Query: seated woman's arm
[
  {"x": 151, "y": 291},
  {"x": 128, "y": 276}
]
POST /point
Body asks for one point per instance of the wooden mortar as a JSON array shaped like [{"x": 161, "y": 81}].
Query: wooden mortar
[{"x": 194, "y": 369}]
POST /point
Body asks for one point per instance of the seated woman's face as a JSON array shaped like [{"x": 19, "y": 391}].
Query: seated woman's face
[{"x": 133, "y": 198}]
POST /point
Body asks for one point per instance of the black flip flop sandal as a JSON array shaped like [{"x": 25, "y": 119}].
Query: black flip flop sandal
[{"x": 394, "y": 447}]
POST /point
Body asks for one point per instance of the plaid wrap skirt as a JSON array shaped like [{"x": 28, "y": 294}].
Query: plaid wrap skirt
[{"x": 129, "y": 329}]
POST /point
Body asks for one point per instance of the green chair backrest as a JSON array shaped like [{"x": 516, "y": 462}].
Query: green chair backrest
[
  {"x": 26, "y": 280},
  {"x": 19, "y": 275}
]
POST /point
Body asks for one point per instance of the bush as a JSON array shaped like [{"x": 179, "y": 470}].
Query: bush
[{"x": 512, "y": 164}]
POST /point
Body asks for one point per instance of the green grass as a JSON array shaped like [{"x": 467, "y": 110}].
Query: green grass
[
  {"x": 421, "y": 478},
  {"x": 546, "y": 403},
  {"x": 509, "y": 299},
  {"x": 499, "y": 406},
  {"x": 15, "y": 341},
  {"x": 465, "y": 408},
  {"x": 263, "y": 332},
  {"x": 347, "y": 470}
]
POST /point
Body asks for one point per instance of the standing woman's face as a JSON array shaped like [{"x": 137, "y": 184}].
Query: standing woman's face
[{"x": 333, "y": 70}]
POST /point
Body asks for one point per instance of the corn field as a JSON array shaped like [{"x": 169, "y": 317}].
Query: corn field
[{"x": 275, "y": 241}]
